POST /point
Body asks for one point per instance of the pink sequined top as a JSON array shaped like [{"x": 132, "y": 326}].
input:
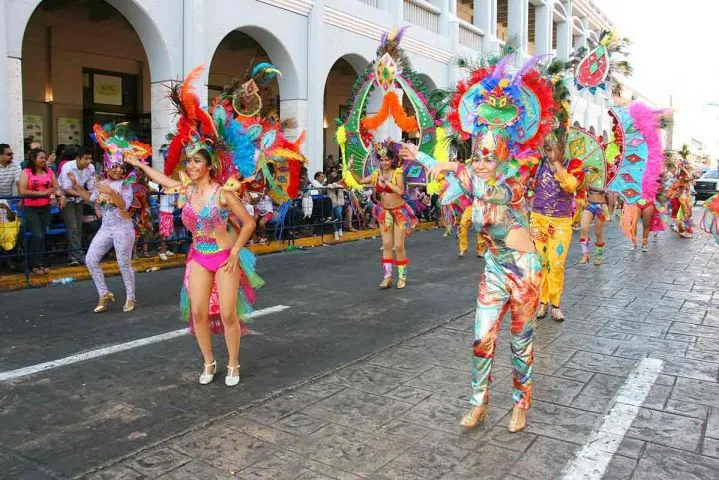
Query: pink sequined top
[{"x": 203, "y": 225}]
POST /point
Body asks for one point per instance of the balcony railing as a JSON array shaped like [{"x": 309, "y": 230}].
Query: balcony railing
[
  {"x": 470, "y": 36},
  {"x": 371, "y": 3},
  {"x": 422, "y": 14}
]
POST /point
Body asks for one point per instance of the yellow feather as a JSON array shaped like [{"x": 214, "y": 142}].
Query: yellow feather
[
  {"x": 341, "y": 135},
  {"x": 433, "y": 188},
  {"x": 441, "y": 152}
]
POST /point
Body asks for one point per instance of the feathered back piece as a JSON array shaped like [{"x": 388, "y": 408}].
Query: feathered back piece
[
  {"x": 117, "y": 140},
  {"x": 596, "y": 65},
  {"x": 195, "y": 128}
]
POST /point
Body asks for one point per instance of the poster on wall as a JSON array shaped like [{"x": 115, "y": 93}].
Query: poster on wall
[
  {"x": 32, "y": 128},
  {"x": 107, "y": 89},
  {"x": 69, "y": 131}
]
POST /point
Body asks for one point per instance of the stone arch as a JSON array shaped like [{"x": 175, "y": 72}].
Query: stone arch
[
  {"x": 134, "y": 11},
  {"x": 290, "y": 86},
  {"x": 338, "y": 82}
]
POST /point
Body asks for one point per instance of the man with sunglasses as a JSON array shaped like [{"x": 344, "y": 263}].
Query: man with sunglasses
[
  {"x": 556, "y": 181},
  {"x": 9, "y": 171}
]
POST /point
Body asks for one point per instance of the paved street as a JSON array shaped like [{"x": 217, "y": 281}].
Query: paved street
[{"x": 351, "y": 382}]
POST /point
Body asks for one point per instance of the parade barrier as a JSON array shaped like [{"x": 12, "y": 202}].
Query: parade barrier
[{"x": 15, "y": 271}]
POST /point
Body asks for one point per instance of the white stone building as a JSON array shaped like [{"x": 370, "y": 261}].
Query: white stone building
[{"x": 70, "y": 63}]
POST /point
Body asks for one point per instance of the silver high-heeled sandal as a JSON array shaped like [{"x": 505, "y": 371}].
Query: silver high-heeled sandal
[
  {"x": 208, "y": 373},
  {"x": 230, "y": 379}
]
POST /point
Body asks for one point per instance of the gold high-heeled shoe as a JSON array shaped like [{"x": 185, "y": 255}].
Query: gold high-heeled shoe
[
  {"x": 401, "y": 282},
  {"x": 386, "y": 283},
  {"x": 518, "y": 421},
  {"x": 104, "y": 302},
  {"x": 129, "y": 305},
  {"x": 469, "y": 422}
]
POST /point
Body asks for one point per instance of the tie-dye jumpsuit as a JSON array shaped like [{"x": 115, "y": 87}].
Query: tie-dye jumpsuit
[
  {"x": 511, "y": 281},
  {"x": 117, "y": 231}
]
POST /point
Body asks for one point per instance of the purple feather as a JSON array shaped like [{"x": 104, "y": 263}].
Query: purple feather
[
  {"x": 501, "y": 66},
  {"x": 528, "y": 65},
  {"x": 400, "y": 34}
]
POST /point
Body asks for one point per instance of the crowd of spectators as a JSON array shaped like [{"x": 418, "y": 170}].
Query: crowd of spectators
[{"x": 38, "y": 193}]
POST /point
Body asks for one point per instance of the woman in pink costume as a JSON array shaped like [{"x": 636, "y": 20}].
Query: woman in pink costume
[{"x": 219, "y": 276}]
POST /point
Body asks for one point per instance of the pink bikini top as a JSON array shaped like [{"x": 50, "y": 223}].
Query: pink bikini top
[{"x": 204, "y": 225}]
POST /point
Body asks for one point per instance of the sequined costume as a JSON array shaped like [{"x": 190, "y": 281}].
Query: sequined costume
[
  {"x": 207, "y": 253},
  {"x": 511, "y": 281},
  {"x": 116, "y": 231},
  {"x": 551, "y": 223},
  {"x": 401, "y": 216}
]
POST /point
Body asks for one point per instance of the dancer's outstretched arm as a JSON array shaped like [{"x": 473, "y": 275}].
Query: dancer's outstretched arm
[{"x": 153, "y": 174}]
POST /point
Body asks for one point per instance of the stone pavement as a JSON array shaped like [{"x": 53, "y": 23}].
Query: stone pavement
[{"x": 396, "y": 414}]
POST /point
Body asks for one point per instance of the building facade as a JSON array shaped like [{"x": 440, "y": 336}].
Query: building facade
[{"x": 70, "y": 63}]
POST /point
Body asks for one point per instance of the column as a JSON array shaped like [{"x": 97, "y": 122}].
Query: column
[
  {"x": 543, "y": 29},
  {"x": 564, "y": 33},
  {"x": 4, "y": 106},
  {"x": 193, "y": 44},
  {"x": 162, "y": 120},
  {"x": 314, "y": 106},
  {"x": 485, "y": 17},
  {"x": 447, "y": 17},
  {"x": 396, "y": 11},
  {"x": 518, "y": 13},
  {"x": 15, "y": 106}
]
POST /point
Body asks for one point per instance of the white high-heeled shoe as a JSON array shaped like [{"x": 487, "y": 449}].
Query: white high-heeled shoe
[
  {"x": 230, "y": 379},
  {"x": 208, "y": 373}
]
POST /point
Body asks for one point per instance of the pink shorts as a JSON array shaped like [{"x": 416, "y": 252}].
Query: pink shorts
[
  {"x": 167, "y": 224},
  {"x": 266, "y": 217}
]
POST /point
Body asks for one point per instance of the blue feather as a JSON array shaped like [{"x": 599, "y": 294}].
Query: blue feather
[{"x": 242, "y": 147}]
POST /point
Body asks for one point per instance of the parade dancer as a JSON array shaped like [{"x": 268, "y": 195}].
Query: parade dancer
[
  {"x": 113, "y": 197},
  {"x": 219, "y": 280},
  {"x": 595, "y": 211},
  {"x": 555, "y": 184},
  {"x": 486, "y": 109},
  {"x": 681, "y": 190},
  {"x": 394, "y": 216},
  {"x": 465, "y": 226}
]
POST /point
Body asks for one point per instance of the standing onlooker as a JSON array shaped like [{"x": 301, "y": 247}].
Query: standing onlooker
[
  {"x": 167, "y": 223},
  {"x": 84, "y": 172},
  {"x": 264, "y": 211},
  {"x": 9, "y": 172},
  {"x": 39, "y": 187}
]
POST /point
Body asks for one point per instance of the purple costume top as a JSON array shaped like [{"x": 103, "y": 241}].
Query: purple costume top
[{"x": 549, "y": 197}]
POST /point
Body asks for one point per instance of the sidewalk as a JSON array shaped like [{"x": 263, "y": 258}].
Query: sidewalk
[
  {"x": 396, "y": 414},
  {"x": 17, "y": 281}
]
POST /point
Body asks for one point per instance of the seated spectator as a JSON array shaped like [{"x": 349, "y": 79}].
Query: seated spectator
[{"x": 9, "y": 230}]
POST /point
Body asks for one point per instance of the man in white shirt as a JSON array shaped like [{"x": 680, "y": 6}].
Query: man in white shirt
[
  {"x": 84, "y": 173},
  {"x": 9, "y": 172}
]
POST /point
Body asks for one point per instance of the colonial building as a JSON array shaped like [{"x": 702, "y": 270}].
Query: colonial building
[{"x": 70, "y": 63}]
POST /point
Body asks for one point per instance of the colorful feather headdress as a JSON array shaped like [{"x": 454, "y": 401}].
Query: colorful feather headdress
[
  {"x": 278, "y": 161},
  {"x": 225, "y": 139},
  {"x": 495, "y": 107},
  {"x": 117, "y": 140}
]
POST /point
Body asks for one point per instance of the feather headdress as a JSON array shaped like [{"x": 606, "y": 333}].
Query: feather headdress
[{"x": 117, "y": 141}]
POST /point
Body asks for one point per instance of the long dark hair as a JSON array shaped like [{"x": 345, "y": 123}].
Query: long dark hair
[{"x": 32, "y": 159}]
